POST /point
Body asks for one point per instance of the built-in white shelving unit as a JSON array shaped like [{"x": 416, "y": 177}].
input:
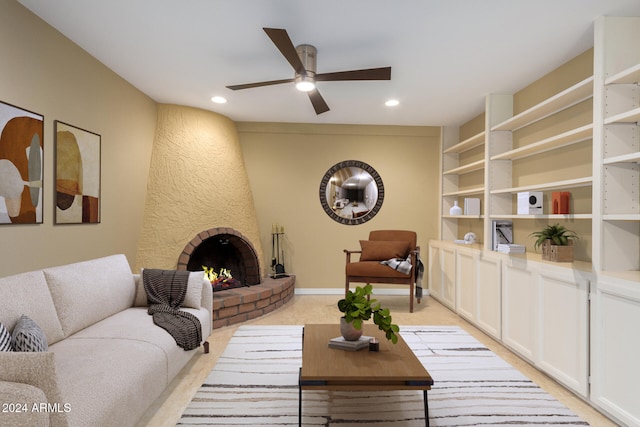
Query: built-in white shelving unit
[
  {"x": 501, "y": 191},
  {"x": 514, "y": 298}
]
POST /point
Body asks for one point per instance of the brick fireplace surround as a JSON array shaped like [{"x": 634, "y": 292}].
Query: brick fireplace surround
[{"x": 232, "y": 306}]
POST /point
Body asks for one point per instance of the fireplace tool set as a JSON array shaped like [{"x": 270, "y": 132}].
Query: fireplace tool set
[{"x": 277, "y": 252}]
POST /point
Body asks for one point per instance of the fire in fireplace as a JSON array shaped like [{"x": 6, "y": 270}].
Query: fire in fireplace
[{"x": 222, "y": 250}]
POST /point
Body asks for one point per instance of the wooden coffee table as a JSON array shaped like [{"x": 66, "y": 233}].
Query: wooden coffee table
[{"x": 394, "y": 367}]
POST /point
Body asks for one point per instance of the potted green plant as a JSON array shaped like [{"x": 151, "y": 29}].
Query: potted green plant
[
  {"x": 556, "y": 242},
  {"x": 357, "y": 307}
]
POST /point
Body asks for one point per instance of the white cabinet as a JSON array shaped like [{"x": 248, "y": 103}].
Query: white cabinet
[
  {"x": 615, "y": 345},
  {"x": 546, "y": 319},
  {"x": 478, "y": 292},
  {"x": 466, "y": 283},
  {"x": 563, "y": 331},
  {"x": 519, "y": 307},
  {"x": 442, "y": 264},
  {"x": 536, "y": 308},
  {"x": 489, "y": 293}
]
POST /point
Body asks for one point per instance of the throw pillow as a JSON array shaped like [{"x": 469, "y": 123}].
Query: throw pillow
[
  {"x": 193, "y": 298},
  {"x": 5, "y": 339},
  {"x": 27, "y": 336},
  {"x": 381, "y": 250}
]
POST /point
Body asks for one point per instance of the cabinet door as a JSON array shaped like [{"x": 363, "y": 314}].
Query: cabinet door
[
  {"x": 436, "y": 275},
  {"x": 615, "y": 345},
  {"x": 488, "y": 295},
  {"x": 442, "y": 272},
  {"x": 563, "y": 332},
  {"x": 519, "y": 308},
  {"x": 448, "y": 297},
  {"x": 466, "y": 283}
]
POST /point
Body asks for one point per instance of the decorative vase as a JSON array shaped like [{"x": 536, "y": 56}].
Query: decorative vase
[
  {"x": 348, "y": 331},
  {"x": 455, "y": 209}
]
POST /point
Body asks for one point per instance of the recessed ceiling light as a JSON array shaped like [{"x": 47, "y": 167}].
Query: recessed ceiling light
[
  {"x": 392, "y": 103},
  {"x": 219, "y": 100}
]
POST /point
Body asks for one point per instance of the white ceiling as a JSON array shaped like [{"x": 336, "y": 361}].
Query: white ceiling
[{"x": 446, "y": 55}]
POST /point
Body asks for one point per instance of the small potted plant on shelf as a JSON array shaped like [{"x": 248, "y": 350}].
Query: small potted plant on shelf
[
  {"x": 358, "y": 307},
  {"x": 556, "y": 243}
]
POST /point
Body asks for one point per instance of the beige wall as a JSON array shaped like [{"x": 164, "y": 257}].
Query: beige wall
[
  {"x": 44, "y": 72},
  {"x": 197, "y": 182},
  {"x": 285, "y": 163}
]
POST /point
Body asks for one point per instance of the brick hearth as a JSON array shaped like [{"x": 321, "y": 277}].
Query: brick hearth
[{"x": 241, "y": 304}]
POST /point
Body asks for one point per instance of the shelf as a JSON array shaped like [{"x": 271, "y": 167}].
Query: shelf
[
  {"x": 630, "y": 75},
  {"x": 547, "y": 216},
  {"x": 561, "y": 101},
  {"x": 471, "y": 167},
  {"x": 477, "y": 190},
  {"x": 632, "y": 116},
  {"x": 621, "y": 217},
  {"x": 463, "y": 216},
  {"x": 573, "y": 136},
  {"x": 558, "y": 185},
  {"x": 626, "y": 158},
  {"x": 467, "y": 144}
]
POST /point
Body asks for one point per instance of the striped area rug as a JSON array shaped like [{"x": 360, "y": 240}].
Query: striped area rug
[{"x": 254, "y": 383}]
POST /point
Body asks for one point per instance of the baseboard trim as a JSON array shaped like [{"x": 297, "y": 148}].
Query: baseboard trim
[{"x": 340, "y": 291}]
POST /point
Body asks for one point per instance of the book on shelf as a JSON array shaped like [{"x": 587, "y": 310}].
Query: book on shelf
[
  {"x": 510, "y": 248},
  {"x": 501, "y": 233},
  {"x": 342, "y": 344},
  {"x": 471, "y": 206}
]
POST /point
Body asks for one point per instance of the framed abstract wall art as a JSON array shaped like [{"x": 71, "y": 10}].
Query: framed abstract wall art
[
  {"x": 21, "y": 165},
  {"x": 77, "y": 162}
]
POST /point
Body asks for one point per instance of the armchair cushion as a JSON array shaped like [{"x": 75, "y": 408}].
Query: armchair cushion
[
  {"x": 381, "y": 250},
  {"x": 370, "y": 269}
]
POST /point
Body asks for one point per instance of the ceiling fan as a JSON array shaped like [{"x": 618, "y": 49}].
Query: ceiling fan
[{"x": 303, "y": 60}]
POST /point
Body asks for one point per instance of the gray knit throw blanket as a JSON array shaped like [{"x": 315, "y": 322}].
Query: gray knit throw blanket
[{"x": 165, "y": 293}]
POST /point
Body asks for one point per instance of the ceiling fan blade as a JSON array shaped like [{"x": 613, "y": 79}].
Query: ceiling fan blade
[
  {"x": 383, "y": 73},
  {"x": 281, "y": 39},
  {"x": 259, "y": 84},
  {"x": 318, "y": 102}
]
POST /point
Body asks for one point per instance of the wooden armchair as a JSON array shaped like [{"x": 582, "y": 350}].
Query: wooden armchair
[{"x": 381, "y": 246}]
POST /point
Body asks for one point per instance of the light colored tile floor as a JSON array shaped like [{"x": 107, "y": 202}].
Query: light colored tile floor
[{"x": 322, "y": 309}]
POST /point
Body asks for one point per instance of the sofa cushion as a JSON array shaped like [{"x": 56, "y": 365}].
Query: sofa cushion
[
  {"x": 373, "y": 250},
  {"x": 87, "y": 292},
  {"x": 192, "y": 299},
  {"x": 27, "y": 293},
  {"x": 109, "y": 382},
  {"x": 5, "y": 339},
  {"x": 27, "y": 336}
]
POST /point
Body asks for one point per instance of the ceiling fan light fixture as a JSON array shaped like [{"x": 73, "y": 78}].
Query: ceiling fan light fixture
[
  {"x": 392, "y": 103},
  {"x": 219, "y": 99},
  {"x": 305, "y": 83}
]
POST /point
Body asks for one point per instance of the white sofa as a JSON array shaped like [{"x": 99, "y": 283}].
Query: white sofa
[{"x": 106, "y": 360}]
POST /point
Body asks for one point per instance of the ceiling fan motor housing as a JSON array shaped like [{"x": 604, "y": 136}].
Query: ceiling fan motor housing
[{"x": 307, "y": 54}]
